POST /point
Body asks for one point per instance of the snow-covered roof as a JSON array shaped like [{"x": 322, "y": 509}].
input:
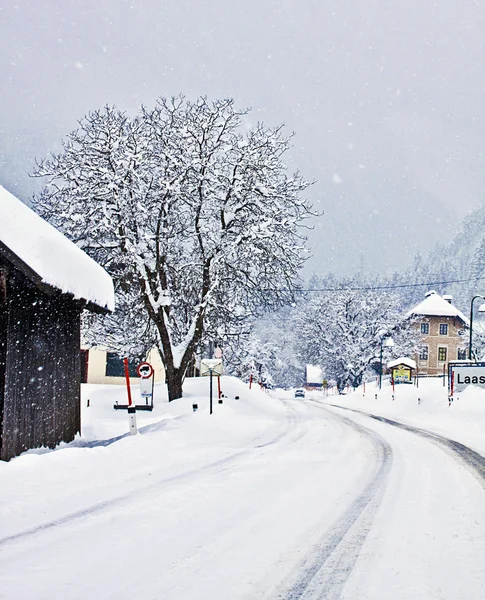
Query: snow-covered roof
[
  {"x": 314, "y": 374},
  {"x": 436, "y": 306},
  {"x": 47, "y": 257},
  {"x": 409, "y": 362}
]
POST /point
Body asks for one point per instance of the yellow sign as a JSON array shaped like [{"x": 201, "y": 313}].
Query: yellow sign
[{"x": 401, "y": 373}]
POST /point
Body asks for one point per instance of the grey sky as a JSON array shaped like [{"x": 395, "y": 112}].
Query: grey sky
[{"x": 386, "y": 98}]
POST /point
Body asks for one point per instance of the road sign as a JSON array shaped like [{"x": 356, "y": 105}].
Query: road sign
[
  {"x": 463, "y": 373},
  {"x": 144, "y": 370},
  {"x": 146, "y": 387},
  {"x": 210, "y": 366}
]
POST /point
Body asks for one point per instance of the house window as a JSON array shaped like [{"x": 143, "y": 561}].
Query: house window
[
  {"x": 443, "y": 329},
  {"x": 423, "y": 353},
  {"x": 116, "y": 368},
  {"x": 461, "y": 354},
  {"x": 442, "y": 354},
  {"x": 425, "y": 328}
]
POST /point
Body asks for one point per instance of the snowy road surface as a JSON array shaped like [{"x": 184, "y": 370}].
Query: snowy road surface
[{"x": 269, "y": 498}]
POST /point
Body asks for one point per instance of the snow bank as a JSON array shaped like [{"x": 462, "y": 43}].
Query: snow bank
[
  {"x": 105, "y": 460},
  {"x": 463, "y": 420}
]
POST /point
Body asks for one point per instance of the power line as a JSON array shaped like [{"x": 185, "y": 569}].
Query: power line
[
  {"x": 378, "y": 287},
  {"x": 390, "y": 287}
]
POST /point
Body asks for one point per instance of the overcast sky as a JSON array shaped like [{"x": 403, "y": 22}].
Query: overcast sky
[{"x": 387, "y": 98}]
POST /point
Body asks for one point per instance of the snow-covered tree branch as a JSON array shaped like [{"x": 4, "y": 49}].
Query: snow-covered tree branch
[
  {"x": 342, "y": 331},
  {"x": 195, "y": 218}
]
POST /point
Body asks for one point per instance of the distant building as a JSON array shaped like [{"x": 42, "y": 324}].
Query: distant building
[
  {"x": 100, "y": 365},
  {"x": 46, "y": 281},
  {"x": 313, "y": 377},
  {"x": 441, "y": 325}
]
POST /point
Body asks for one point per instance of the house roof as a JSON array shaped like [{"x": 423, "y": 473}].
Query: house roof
[
  {"x": 435, "y": 306},
  {"x": 409, "y": 362},
  {"x": 48, "y": 258}
]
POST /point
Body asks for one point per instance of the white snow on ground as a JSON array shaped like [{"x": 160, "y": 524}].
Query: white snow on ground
[
  {"x": 55, "y": 259},
  {"x": 463, "y": 420},
  {"x": 242, "y": 504}
]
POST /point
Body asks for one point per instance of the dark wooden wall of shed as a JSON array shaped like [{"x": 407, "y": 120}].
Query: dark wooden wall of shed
[{"x": 41, "y": 393}]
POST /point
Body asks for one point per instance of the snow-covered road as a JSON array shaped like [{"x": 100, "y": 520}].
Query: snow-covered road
[{"x": 304, "y": 501}]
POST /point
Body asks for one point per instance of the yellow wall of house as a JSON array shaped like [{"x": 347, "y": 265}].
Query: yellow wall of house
[{"x": 97, "y": 367}]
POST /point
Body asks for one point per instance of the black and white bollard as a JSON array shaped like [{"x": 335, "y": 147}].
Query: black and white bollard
[{"x": 132, "y": 420}]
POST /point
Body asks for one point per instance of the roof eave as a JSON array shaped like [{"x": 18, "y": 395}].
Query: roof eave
[{"x": 47, "y": 288}]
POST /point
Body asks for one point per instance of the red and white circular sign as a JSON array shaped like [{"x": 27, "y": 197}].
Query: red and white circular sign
[{"x": 144, "y": 370}]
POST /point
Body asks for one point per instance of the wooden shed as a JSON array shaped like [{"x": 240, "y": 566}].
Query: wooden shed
[{"x": 45, "y": 283}]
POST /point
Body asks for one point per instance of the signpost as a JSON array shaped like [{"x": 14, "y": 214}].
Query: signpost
[
  {"x": 210, "y": 366},
  {"x": 147, "y": 380}
]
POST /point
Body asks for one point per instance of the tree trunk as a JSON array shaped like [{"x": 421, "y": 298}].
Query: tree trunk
[{"x": 174, "y": 380}]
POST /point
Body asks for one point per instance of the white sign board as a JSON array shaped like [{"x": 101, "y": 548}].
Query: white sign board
[
  {"x": 211, "y": 364},
  {"x": 146, "y": 387},
  {"x": 467, "y": 374}
]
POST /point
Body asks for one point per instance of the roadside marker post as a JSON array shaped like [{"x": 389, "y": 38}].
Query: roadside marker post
[
  {"x": 131, "y": 406},
  {"x": 210, "y": 393}
]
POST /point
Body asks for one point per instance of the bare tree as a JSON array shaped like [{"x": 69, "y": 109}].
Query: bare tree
[{"x": 192, "y": 213}]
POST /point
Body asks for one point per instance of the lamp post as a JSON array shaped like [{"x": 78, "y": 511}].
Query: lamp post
[
  {"x": 388, "y": 344},
  {"x": 481, "y": 308}
]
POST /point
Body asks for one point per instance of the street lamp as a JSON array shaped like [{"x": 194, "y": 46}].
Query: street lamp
[
  {"x": 389, "y": 343},
  {"x": 481, "y": 308}
]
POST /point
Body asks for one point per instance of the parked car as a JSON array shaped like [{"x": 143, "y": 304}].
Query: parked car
[{"x": 299, "y": 393}]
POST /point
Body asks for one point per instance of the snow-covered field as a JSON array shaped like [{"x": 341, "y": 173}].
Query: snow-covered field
[
  {"x": 269, "y": 497},
  {"x": 425, "y": 406}
]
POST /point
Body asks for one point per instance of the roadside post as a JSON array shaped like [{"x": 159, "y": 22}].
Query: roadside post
[
  {"x": 210, "y": 367},
  {"x": 131, "y": 407},
  {"x": 219, "y": 393}
]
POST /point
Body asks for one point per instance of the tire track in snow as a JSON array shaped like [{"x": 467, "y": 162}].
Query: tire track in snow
[
  {"x": 325, "y": 571},
  {"x": 292, "y": 421},
  {"x": 472, "y": 459}
]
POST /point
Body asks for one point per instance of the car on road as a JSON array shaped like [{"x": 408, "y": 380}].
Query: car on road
[{"x": 299, "y": 393}]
